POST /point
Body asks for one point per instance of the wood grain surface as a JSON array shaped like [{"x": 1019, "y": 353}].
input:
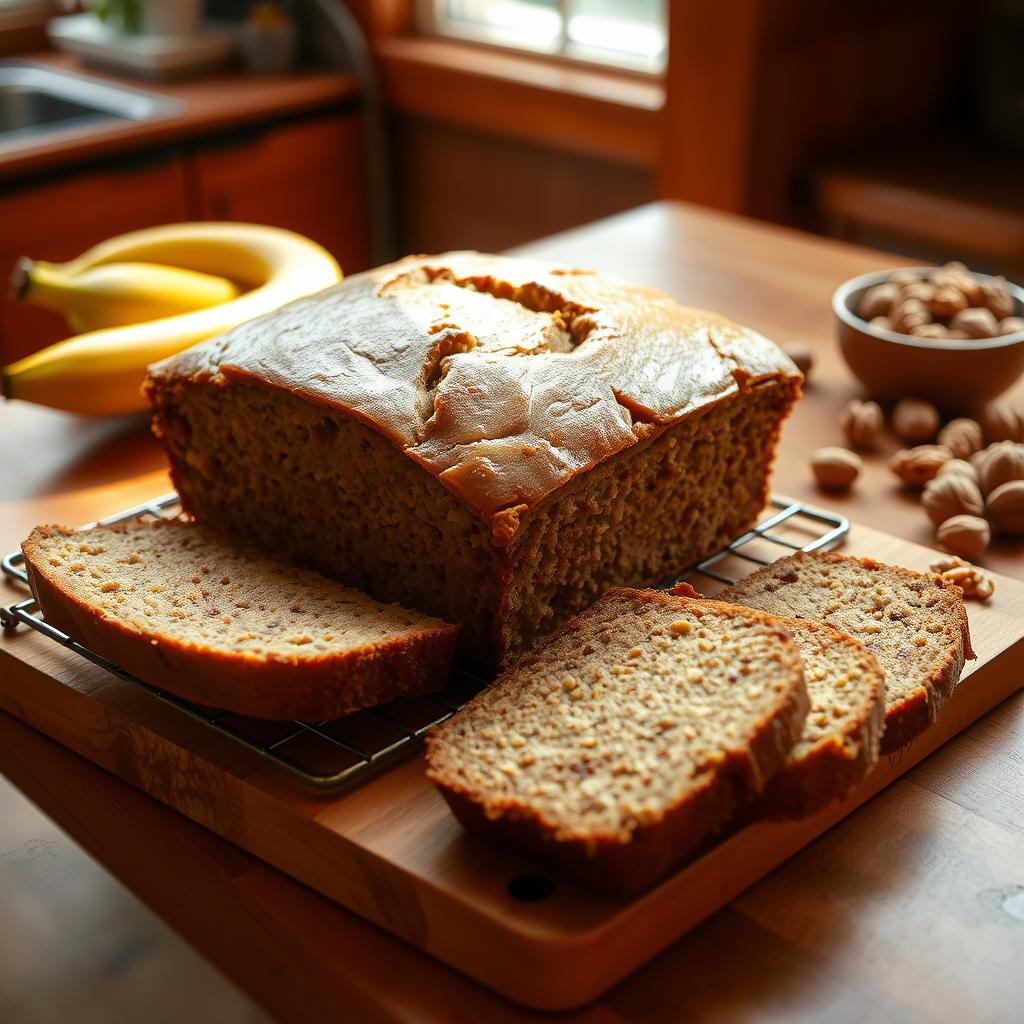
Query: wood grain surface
[{"x": 910, "y": 908}]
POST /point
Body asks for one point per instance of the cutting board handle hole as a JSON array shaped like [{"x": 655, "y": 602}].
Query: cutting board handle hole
[{"x": 530, "y": 888}]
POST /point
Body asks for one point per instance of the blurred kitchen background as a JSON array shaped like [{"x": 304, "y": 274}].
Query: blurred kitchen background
[{"x": 380, "y": 127}]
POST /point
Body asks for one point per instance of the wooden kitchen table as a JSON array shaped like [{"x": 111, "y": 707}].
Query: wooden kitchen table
[{"x": 911, "y": 908}]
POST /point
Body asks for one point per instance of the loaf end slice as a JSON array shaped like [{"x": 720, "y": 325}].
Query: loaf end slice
[
  {"x": 222, "y": 624},
  {"x": 915, "y": 625},
  {"x": 629, "y": 738}
]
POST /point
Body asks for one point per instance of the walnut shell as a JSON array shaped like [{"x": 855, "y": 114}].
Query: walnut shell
[
  {"x": 962, "y": 437},
  {"x": 946, "y": 301},
  {"x": 951, "y": 495},
  {"x": 916, "y": 466},
  {"x": 929, "y": 331},
  {"x": 996, "y": 297},
  {"x": 967, "y": 536},
  {"x": 1005, "y": 507},
  {"x": 909, "y": 313},
  {"x": 862, "y": 423},
  {"x": 835, "y": 469},
  {"x": 915, "y": 420},
  {"x": 958, "y": 467},
  {"x": 878, "y": 301},
  {"x": 1003, "y": 462},
  {"x": 1003, "y": 422},
  {"x": 977, "y": 321}
]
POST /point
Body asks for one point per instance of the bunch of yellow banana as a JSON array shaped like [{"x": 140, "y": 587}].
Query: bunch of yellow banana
[{"x": 148, "y": 294}]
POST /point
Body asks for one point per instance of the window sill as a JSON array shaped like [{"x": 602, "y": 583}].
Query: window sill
[{"x": 593, "y": 112}]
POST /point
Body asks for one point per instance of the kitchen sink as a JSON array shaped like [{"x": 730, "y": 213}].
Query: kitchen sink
[{"x": 38, "y": 103}]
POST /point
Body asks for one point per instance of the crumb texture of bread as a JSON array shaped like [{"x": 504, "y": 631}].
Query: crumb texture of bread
[
  {"x": 913, "y": 623},
  {"x": 842, "y": 735},
  {"x": 221, "y": 623},
  {"x": 628, "y": 738}
]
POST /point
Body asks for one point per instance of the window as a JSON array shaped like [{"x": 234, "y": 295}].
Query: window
[{"x": 628, "y": 34}]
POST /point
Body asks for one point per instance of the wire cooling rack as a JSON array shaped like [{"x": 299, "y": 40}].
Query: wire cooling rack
[{"x": 333, "y": 754}]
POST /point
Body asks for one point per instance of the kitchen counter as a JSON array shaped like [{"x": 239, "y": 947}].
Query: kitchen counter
[{"x": 224, "y": 100}]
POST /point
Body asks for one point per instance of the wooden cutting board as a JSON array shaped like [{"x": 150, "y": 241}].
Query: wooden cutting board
[{"x": 390, "y": 850}]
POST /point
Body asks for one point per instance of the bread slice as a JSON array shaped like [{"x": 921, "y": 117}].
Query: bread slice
[
  {"x": 222, "y": 624},
  {"x": 630, "y": 737},
  {"x": 842, "y": 733},
  {"x": 915, "y": 624}
]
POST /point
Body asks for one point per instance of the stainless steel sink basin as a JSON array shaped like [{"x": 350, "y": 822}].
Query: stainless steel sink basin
[{"x": 38, "y": 103}]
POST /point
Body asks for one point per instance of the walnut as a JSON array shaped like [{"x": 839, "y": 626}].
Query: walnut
[
  {"x": 1005, "y": 507},
  {"x": 861, "y": 422},
  {"x": 1010, "y": 325},
  {"x": 916, "y": 466},
  {"x": 915, "y": 420},
  {"x": 883, "y": 323},
  {"x": 922, "y": 289},
  {"x": 1003, "y": 462},
  {"x": 958, "y": 467},
  {"x": 1003, "y": 422},
  {"x": 967, "y": 536},
  {"x": 956, "y": 275},
  {"x": 946, "y": 301},
  {"x": 802, "y": 356},
  {"x": 835, "y": 469},
  {"x": 878, "y": 301},
  {"x": 952, "y": 495},
  {"x": 929, "y": 331},
  {"x": 977, "y": 321},
  {"x": 962, "y": 437},
  {"x": 996, "y": 297},
  {"x": 909, "y": 313},
  {"x": 969, "y": 578}
]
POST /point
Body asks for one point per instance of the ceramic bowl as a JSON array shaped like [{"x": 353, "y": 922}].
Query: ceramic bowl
[{"x": 957, "y": 375}]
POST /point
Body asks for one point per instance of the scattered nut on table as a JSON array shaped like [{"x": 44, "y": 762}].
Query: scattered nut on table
[
  {"x": 916, "y": 466},
  {"x": 952, "y": 495},
  {"x": 835, "y": 469},
  {"x": 1003, "y": 422},
  {"x": 915, "y": 420},
  {"x": 962, "y": 437},
  {"x": 969, "y": 578},
  {"x": 1005, "y": 508},
  {"x": 862, "y": 423},
  {"x": 967, "y": 536},
  {"x": 958, "y": 467},
  {"x": 802, "y": 356},
  {"x": 1002, "y": 462}
]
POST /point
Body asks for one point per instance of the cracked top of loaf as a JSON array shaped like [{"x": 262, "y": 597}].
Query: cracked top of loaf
[{"x": 504, "y": 377}]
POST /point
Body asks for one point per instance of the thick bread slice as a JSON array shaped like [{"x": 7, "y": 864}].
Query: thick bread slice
[
  {"x": 914, "y": 623},
  {"x": 628, "y": 738},
  {"x": 841, "y": 736},
  {"x": 222, "y": 624}
]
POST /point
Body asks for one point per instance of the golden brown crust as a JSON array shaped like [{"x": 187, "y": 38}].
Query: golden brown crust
[
  {"x": 310, "y": 689},
  {"x": 504, "y": 378},
  {"x": 652, "y": 849}
]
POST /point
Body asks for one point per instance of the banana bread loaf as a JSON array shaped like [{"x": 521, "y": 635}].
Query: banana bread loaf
[{"x": 490, "y": 440}]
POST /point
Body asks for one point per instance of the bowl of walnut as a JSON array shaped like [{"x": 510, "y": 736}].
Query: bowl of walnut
[{"x": 942, "y": 333}]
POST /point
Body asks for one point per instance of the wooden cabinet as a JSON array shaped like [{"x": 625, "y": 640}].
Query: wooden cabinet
[
  {"x": 58, "y": 219},
  {"x": 306, "y": 175}
]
